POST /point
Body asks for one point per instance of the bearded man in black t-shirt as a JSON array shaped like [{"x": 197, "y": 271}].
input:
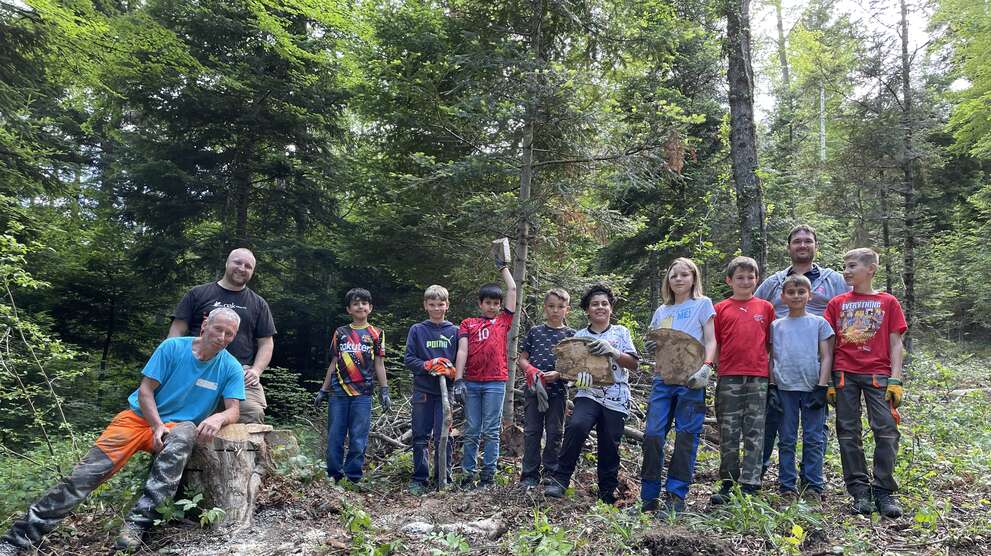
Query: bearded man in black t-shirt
[{"x": 253, "y": 344}]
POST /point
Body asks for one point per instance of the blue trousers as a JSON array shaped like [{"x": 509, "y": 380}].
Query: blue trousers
[
  {"x": 685, "y": 408},
  {"x": 483, "y": 416},
  {"x": 428, "y": 420},
  {"x": 795, "y": 408},
  {"x": 350, "y": 417}
]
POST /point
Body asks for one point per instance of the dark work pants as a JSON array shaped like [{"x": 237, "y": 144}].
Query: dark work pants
[
  {"x": 428, "y": 421},
  {"x": 609, "y": 428},
  {"x": 772, "y": 421},
  {"x": 535, "y": 424},
  {"x": 95, "y": 468},
  {"x": 849, "y": 389}
]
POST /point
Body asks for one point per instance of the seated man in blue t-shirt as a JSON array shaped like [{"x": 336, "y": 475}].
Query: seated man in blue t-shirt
[{"x": 168, "y": 413}]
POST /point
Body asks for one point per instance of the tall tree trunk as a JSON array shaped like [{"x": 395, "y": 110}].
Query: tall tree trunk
[
  {"x": 743, "y": 136},
  {"x": 822, "y": 122},
  {"x": 655, "y": 283},
  {"x": 784, "y": 95},
  {"x": 522, "y": 248},
  {"x": 241, "y": 192},
  {"x": 908, "y": 169},
  {"x": 886, "y": 232}
]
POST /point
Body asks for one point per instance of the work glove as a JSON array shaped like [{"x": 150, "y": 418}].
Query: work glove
[
  {"x": 773, "y": 398},
  {"x": 384, "y": 398},
  {"x": 460, "y": 391},
  {"x": 650, "y": 346},
  {"x": 532, "y": 376},
  {"x": 893, "y": 394},
  {"x": 500, "y": 252},
  {"x": 541, "y": 393},
  {"x": 819, "y": 396},
  {"x": 583, "y": 380},
  {"x": 831, "y": 396},
  {"x": 319, "y": 398},
  {"x": 701, "y": 377},
  {"x": 440, "y": 366},
  {"x": 603, "y": 347}
]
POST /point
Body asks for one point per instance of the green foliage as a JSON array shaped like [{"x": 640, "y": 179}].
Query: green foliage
[
  {"x": 173, "y": 510},
  {"x": 452, "y": 543},
  {"x": 542, "y": 539},
  {"x": 359, "y": 523}
]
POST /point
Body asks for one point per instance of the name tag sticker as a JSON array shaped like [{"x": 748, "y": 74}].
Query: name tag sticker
[{"x": 202, "y": 383}]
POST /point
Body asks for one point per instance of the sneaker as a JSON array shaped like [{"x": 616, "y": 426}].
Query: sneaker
[
  {"x": 673, "y": 504},
  {"x": 416, "y": 488},
  {"x": 528, "y": 483},
  {"x": 812, "y": 495},
  {"x": 131, "y": 538},
  {"x": 554, "y": 490},
  {"x": 887, "y": 506},
  {"x": 724, "y": 494},
  {"x": 788, "y": 494},
  {"x": 862, "y": 505},
  {"x": 650, "y": 506}
]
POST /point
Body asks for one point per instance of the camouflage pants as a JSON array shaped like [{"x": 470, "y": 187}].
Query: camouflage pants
[
  {"x": 740, "y": 409},
  {"x": 115, "y": 446},
  {"x": 849, "y": 389}
]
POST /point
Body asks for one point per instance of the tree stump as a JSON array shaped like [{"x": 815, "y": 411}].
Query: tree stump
[{"x": 229, "y": 471}]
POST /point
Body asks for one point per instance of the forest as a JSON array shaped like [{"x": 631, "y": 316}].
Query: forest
[{"x": 385, "y": 144}]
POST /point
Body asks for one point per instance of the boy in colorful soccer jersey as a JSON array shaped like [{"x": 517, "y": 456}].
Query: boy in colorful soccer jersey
[
  {"x": 801, "y": 364},
  {"x": 743, "y": 334},
  {"x": 546, "y": 396},
  {"x": 481, "y": 376},
  {"x": 686, "y": 309},
  {"x": 867, "y": 360},
  {"x": 431, "y": 349},
  {"x": 604, "y": 408},
  {"x": 357, "y": 357}
]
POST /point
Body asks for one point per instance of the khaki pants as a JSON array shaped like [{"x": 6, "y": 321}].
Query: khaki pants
[{"x": 253, "y": 406}]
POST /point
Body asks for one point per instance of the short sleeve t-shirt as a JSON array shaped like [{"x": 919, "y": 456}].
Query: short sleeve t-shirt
[
  {"x": 689, "y": 316},
  {"x": 743, "y": 331},
  {"x": 795, "y": 347},
  {"x": 616, "y": 396},
  {"x": 539, "y": 346},
  {"x": 256, "y": 318},
  {"x": 863, "y": 324},
  {"x": 487, "y": 344},
  {"x": 188, "y": 388},
  {"x": 356, "y": 350}
]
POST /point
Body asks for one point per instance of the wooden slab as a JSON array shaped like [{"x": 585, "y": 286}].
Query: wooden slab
[
  {"x": 572, "y": 357},
  {"x": 678, "y": 355}
]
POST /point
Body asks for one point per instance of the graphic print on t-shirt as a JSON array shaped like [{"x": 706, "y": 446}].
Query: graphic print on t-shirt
[
  {"x": 859, "y": 321},
  {"x": 356, "y": 349}
]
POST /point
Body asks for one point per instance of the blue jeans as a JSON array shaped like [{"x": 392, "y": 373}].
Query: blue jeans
[
  {"x": 348, "y": 416},
  {"x": 685, "y": 408},
  {"x": 483, "y": 414},
  {"x": 428, "y": 419},
  {"x": 795, "y": 407}
]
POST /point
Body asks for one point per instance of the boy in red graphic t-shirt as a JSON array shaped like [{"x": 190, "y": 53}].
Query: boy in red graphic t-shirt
[
  {"x": 867, "y": 361},
  {"x": 743, "y": 333},
  {"x": 481, "y": 375}
]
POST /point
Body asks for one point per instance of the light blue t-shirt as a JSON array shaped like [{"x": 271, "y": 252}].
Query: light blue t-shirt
[
  {"x": 795, "y": 348},
  {"x": 689, "y": 316},
  {"x": 189, "y": 389},
  {"x": 616, "y": 396}
]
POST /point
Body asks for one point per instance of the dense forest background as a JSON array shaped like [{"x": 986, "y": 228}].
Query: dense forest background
[{"x": 385, "y": 144}]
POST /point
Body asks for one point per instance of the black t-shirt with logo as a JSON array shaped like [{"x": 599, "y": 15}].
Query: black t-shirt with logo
[
  {"x": 539, "y": 345},
  {"x": 256, "y": 318}
]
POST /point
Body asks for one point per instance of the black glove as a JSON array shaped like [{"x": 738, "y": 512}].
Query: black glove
[
  {"x": 773, "y": 399},
  {"x": 818, "y": 400},
  {"x": 460, "y": 391},
  {"x": 384, "y": 398},
  {"x": 319, "y": 398}
]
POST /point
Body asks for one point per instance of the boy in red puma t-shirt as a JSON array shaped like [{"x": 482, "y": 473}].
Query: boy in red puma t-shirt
[{"x": 867, "y": 361}]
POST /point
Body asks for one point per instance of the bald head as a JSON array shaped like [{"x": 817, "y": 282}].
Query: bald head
[{"x": 239, "y": 269}]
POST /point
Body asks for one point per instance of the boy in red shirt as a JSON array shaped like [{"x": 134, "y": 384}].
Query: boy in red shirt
[
  {"x": 743, "y": 332},
  {"x": 867, "y": 359},
  {"x": 481, "y": 375}
]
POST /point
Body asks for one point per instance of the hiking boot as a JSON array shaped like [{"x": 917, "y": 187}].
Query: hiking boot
[
  {"x": 788, "y": 495},
  {"x": 131, "y": 538},
  {"x": 650, "y": 506},
  {"x": 750, "y": 490},
  {"x": 554, "y": 490},
  {"x": 862, "y": 505},
  {"x": 724, "y": 494},
  {"x": 887, "y": 506},
  {"x": 608, "y": 498},
  {"x": 673, "y": 504},
  {"x": 527, "y": 483},
  {"x": 812, "y": 495},
  {"x": 416, "y": 488}
]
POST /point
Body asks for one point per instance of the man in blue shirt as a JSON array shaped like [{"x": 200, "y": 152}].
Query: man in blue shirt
[{"x": 169, "y": 412}]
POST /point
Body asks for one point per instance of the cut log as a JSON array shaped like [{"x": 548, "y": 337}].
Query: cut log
[{"x": 229, "y": 470}]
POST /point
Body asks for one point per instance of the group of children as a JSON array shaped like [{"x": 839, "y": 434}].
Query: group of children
[{"x": 794, "y": 364}]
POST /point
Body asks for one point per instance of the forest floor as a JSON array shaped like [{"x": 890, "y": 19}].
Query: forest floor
[{"x": 944, "y": 471}]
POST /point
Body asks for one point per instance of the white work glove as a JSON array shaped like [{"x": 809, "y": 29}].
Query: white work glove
[
  {"x": 583, "y": 380},
  {"x": 603, "y": 347},
  {"x": 701, "y": 377}
]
